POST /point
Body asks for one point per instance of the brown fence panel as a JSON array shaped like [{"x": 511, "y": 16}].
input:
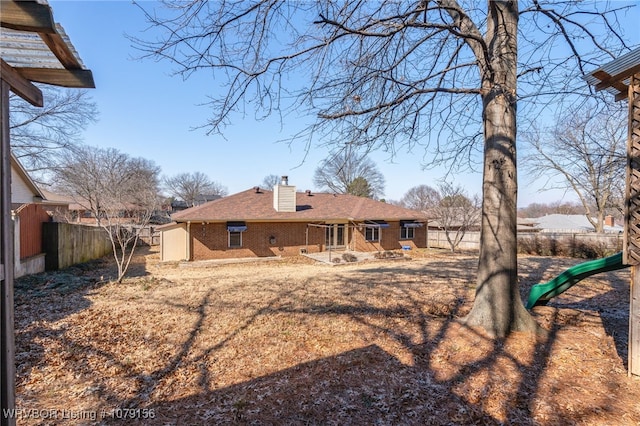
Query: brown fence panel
[
  {"x": 67, "y": 244},
  {"x": 149, "y": 235},
  {"x": 32, "y": 217}
]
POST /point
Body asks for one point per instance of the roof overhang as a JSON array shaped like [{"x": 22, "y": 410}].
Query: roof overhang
[
  {"x": 614, "y": 76},
  {"x": 35, "y": 49},
  {"x": 292, "y": 220}
]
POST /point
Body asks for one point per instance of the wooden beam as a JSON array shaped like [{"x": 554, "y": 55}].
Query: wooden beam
[
  {"x": 59, "y": 48},
  {"x": 27, "y": 16},
  {"x": 602, "y": 76},
  {"x": 617, "y": 78},
  {"x": 619, "y": 86},
  {"x": 21, "y": 86},
  {"x": 634, "y": 300},
  {"x": 607, "y": 80},
  {"x": 621, "y": 96},
  {"x": 634, "y": 324},
  {"x": 7, "y": 340},
  {"x": 82, "y": 79}
]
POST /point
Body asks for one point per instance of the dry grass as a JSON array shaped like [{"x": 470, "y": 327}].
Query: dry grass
[{"x": 293, "y": 342}]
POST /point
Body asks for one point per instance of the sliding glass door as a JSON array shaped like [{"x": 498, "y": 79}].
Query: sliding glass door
[{"x": 335, "y": 235}]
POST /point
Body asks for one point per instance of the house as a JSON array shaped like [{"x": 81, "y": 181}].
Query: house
[
  {"x": 81, "y": 211},
  {"x": 283, "y": 222},
  {"x": 57, "y": 205},
  {"x": 566, "y": 224},
  {"x": 177, "y": 205},
  {"x": 28, "y": 214}
]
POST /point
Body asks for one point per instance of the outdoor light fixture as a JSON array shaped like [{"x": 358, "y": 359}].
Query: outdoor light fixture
[{"x": 272, "y": 240}]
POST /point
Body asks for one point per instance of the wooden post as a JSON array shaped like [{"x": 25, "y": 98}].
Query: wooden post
[
  {"x": 7, "y": 351},
  {"x": 632, "y": 228},
  {"x": 634, "y": 323}
]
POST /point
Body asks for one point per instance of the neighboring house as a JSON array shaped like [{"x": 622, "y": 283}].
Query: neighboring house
[
  {"x": 283, "y": 222},
  {"x": 65, "y": 208},
  {"x": 80, "y": 211},
  {"x": 57, "y": 205},
  {"x": 28, "y": 215},
  {"x": 565, "y": 224},
  {"x": 178, "y": 205}
]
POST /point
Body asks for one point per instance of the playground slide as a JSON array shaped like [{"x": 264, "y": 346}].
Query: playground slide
[{"x": 541, "y": 293}]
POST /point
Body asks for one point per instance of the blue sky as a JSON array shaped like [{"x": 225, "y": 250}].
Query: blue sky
[{"x": 147, "y": 112}]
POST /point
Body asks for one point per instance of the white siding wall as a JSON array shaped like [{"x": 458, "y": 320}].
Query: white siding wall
[{"x": 20, "y": 192}]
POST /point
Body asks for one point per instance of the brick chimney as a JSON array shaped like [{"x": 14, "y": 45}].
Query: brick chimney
[{"x": 609, "y": 221}]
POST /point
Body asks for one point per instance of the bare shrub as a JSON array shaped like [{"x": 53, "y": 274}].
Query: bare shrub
[
  {"x": 349, "y": 257},
  {"x": 591, "y": 250},
  {"x": 387, "y": 255},
  {"x": 551, "y": 246}
]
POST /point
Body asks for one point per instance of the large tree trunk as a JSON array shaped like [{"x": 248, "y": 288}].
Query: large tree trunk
[
  {"x": 498, "y": 307},
  {"x": 600, "y": 225}
]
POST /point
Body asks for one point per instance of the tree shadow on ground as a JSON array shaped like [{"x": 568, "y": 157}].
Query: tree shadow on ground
[
  {"x": 610, "y": 306},
  {"x": 420, "y": 365},
  {"x": 499, "y": 384},
  {"x": 137, "y": 267},
  {"x": 536, "y": 272},
  {"x": 48, "y": 297}
]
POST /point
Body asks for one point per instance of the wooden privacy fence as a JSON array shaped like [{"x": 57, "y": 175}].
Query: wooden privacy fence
[
  {"x": 149, "y": 235},
  {"x": 543, "y": 243},
  {"x": 438, "y": 239},
  {"x": 67, "y": 244}
]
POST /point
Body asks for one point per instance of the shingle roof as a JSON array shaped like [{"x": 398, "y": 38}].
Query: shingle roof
[
  {"x": 568, "y": 223},
  {"x": 250, "y": 205}
]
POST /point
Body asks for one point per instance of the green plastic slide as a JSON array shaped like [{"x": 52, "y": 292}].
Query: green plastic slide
[{"x": 541, "y": 293}]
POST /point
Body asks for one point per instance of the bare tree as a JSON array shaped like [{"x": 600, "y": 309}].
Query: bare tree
[
  {"x": 121, "y": 192},
  {"x": 389, "y": 74},
  {"x": 349, "y": 172},
  {"x": 559, "y": 207},
  {"x": 586, "y": 149},
  {"x": 270, "y": 181},
  {"x": 420, "y": 198},
  {"x": 456, "y": 213},
  {"x": 191, "y": 187},
  {"x": 41, "y": 136}
]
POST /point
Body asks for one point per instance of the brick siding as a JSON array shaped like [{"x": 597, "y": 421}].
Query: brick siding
[
  {"x": 390, "y": 239},
  {"x": 210, "y": 241}
]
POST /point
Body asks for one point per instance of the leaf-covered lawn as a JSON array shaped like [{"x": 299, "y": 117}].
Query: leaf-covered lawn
[{"x": 297, "y": 342}]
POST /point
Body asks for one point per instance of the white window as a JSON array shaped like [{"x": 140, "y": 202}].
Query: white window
[
  {"x": 235, "y": 239},
  {"x": 371, "y": 233},
  {"x": 406, "y": 233},
  {"x": 235, "y": 230}
]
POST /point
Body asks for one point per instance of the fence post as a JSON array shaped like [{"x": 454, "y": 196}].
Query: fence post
[{"x": 618, "y": 243}]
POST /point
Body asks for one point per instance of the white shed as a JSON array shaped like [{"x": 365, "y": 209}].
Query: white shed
[{"x": 174, "y": 242}]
